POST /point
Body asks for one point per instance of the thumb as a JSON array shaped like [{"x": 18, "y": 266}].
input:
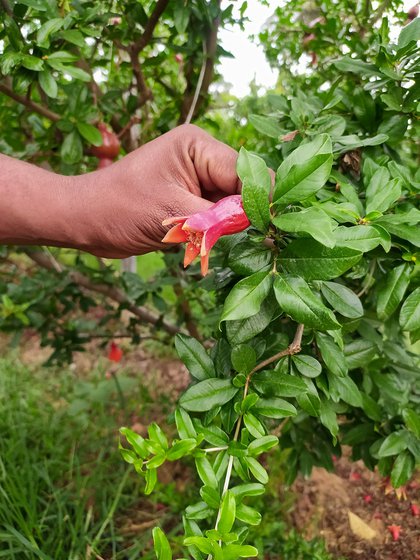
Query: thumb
[{"x": 189, "y": 203}]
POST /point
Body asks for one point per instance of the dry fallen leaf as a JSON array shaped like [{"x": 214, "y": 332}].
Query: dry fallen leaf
[{"x": 360, "y": 528}]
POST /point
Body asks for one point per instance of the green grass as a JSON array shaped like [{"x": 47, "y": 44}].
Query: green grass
[{"x": 63, "y": 484}]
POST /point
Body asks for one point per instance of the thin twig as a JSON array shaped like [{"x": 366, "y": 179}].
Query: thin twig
[
  {"x": 198, "y": 87},
  {"x": 151, "y": 24},
  {"x": 36, "y": 107}
]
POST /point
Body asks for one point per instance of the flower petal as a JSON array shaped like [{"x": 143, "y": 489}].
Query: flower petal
[
  {"x": 175, "y": 235},
  {"x": 204, "y": 264},
  {"x": 191, "y": 251},
  {"x": 209, "y": 239},
  {"x": 175, "y": 220}
]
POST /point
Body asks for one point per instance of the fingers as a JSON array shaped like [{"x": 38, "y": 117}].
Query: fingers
[{"x": 214, "y": 163}]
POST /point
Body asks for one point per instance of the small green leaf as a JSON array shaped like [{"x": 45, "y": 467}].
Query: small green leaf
[
  {"x": 346, "y": 389},
  {"x": 256, "y": 184},
  {"x": 313, "y": 221},
  {"x": 151, "y": 480},
  {"x": 412, "y": 421},
  {"x": 410, "y": 312},
  {"x": 275, "y": 408},
  {"x": 243, "y": 358},
  {"x": 267, "y": 126},
  {"x": 359, "y": 353},
  {"x": 410, "y": 32},
  {"x": 331, "y": 354},
  {"x": 342, "y": 299},
  {"x": 161, "y": 545},
  {"x": 243, "y": 490},
  {"x": 73, "y": 36},
  {"x": 48, "y": 28},
  {"x": 246, "y": 297},
  {"x": 403, "y": 469},
  {"x": 248, "y": 515},
  {"x": 137, "y": 442},
  {"x": 381, "y": 192},
  {"x": 310, "y": 403},
  {"x": 253, "y": 425},
  {"x": 241, "y": 331},
  {"x": 263, "y": 444},
  {"x": 181, "y": 448},
  {"x": 328, "y": 417},
  {"x": 392, "y": 291},
  {"x": 157, "y": 435},
  {"x": 394, "y": 444},
  {"x": 314, "y": 261},
  {"x": 207, "y": 394},
  {"x": 195, "y": 357},
  {"x": 246, "y": 258},
  {"x": 205, "y": 472},
  {"x": 304, "y": 172},
  {"x": 47, "y": 83},
  {"x": 32, "y": 62},
  {"x": 72, "y": 148},
  {"x": 307, "y": 365},
  {"x": 274, "y": 384},
  {"x": 361, "y": 238},
  {"x": 227, "y": 513},
  {"x": 257, "y": 469},
  {"x": 296, "y": 299},
  {"x": 210, "y": 496},
  {"x": 90, "y": 133},
  {"x": 184, "y": 424}
]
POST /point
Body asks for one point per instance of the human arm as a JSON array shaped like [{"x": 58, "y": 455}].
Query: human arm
[{"x": 117, "y": 211}]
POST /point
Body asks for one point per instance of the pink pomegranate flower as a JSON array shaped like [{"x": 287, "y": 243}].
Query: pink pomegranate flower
[{"x": 201, "y": 230}]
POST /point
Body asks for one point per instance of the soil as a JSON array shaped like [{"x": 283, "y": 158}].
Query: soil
[{"x": 326, "y": 502}]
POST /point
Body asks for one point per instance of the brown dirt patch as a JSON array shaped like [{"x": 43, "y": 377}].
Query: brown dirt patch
[{"x": 325, "y": 500}]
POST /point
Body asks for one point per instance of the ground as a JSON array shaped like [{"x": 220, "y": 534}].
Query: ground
[{"x": 349, "y": 508}]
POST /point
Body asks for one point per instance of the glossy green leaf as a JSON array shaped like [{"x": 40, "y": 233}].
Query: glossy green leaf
[
  {"x": 342, "y": 299},
  {"x": 207, "y": 394},
  {"x": 151, "y": 480},
  {"x": 256, "y": 185},
  {"x": 314, "y": 261},
  {"x": 257, "y": 470},
  {"x": 137, "y": 442},
  {"x": 48, "y": 28},
  {"x": 310, "y": 403},
  {"x": 47, "y": 83},
  {"x": 313, "y": 221},
  {"x": 73, "y": 36},
  {"x": 307, "y": 365},
  {"x": 205, "y": 472},
  {"x": 328, "y": 417},
  {"x": 361, "y": 238},
  {"x": 263, "y": 444},
  {"x": 248, "y": 515},
  {"x": 274, "y": 384},
  {"x": 275, "y": 408},
  {"x": 296, "y": 299},
  {"x": 161, "y": 545},
  {"x": 181, "y": 448},
  {"x": 304, "y": 172},
  {"x": 359, "y": 353},
  {"x": 267, "y": 126},
  {"x": 184, "y": 424},
  {"x": 157, "y": 435},
  {"x": 211, "y": 496},
  {"x": 331, "y": 354},
  {"x": 412, "y": 421},
  {"x": 227, "y": 513},
  {"x": 234, "y": 551},
  {"x": 410, "y": 32},
  {"x": 381, "y": 192},
  {"x": 246, "y": 297},
  {"x": 241, "y": 331},
  {"x": 410, "y": 312},
  {"x": 246, "y": 258},
  {"x": 195, "y": 357},
  {"x": 403, "y": 469},
  {"x": 243, "y": 490},
  {"x": 392, "y": 291},
  {"x": 346, "y": 389},
  {"x": 243, "y": 358},
  {"x": 90, "y": 133},
  {"x": 72, "y": 148},
  {"x": 203, "y": 544},
  {"x": 253, "y": 425},
  {"x": 394, "y": 444}
]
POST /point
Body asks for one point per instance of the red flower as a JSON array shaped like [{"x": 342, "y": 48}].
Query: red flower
[
  {"x": 115, "y": 353},
  {"x": 201, "y": 230},
  {"x": 395, "y": 531},
  {"x": 367, "y": 498}
]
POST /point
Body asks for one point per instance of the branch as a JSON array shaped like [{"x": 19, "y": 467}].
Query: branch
[
  {"x": 109, "y": 291},
  {"x": 150, "y": 26},
  {"x": 380, "y": 11},
  {"x": 145, "y": 94},
  {"x": 36, "y": 107},
  {"x": 7, "y": 8},
  {"x": 293, "y": 348}
]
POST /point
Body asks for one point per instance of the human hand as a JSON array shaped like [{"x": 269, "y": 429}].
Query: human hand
[{"x": 122, "y": 207}]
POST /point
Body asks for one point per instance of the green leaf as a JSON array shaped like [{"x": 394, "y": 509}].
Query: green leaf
[
  {"x": 412, "y": 421},
  {"x": 184, "y": 424},
  {"x": 234, "y": 551},
  {"x": 410, "y": 32},
  {"x": 382, "y": 192},
  {"x": 256, "y": 181},
  {"x": 246, "y": 258},
  {"x": 161, "y": 545},
  {"x": 307, "y": 365},
  {"x": 253, "y": 425},
  {"x": 181, "y": 448},
  {"x": 212, "y": 433},
  {"x": 328, "y": 417},
  {"x": 310, "y": 403},
  {"x": 205, "y": 472},
  {"x": 403, "y": 469},
  {"x": 304, "y": 172},
  {"x": 246, "y": 297},
  {"x": 137, "y": 442},
  {"x": 361, "y": 238},
  {"x": 410, "y": 312},
  {"x": 195, "y": 357},
  {"x": 181, "y": 17},
  {"x": 207, "y": 394},
  {"x": 151, "y": 480},
  {"x": 296, "y": 298},
  {"x": 313, "y": 221},
  {"x": 76, "y": 73},
  {"x": 243, "y": 358},
  {"x": 240, "y": 331},
  {"x": 342, "y": 299},
  {"x": 203, "y": 544},
  {"x": 392, "y": 291},
  {"x": 61, "y": 56},
  {"x": 73, "y": 36},
  {"x": 32, "y": 62},
  {"x": 257, "y": 469},
  {"x": 47, "y": 83},
  {"x": 275, "y": 384},
  {"x": 359, "y": 353},
  {"x": 267, "y": 126},
  {"x": 347, "y": 64},
  {"x": 248, "y": 515},
  {"x": 90, "y": 133},
  {"x": 333, "y": 357},
  {"x": 157, "y": 435},
  {"x": 394, "y": 444},
  {"x": 275, "y": 408},
  {"x": 313, "y": 261},
  {"x": 9, "y": 60},
  {"x": 227, "y": 513},
  {"x": 72, "y": 148},
  {"x": 262, "y": 444},
  {"x": 210, "y": 496},
  {"x": 243, "y": 490},
  {"x": 48, "y": 28},
  {"x": 346, "y": 389}
]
